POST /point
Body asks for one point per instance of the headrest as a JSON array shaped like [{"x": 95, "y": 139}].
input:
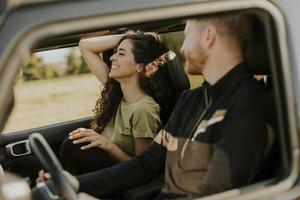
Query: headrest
[
  {"x": 179, "y": 78},
  {"x": 256, "y": 53}
]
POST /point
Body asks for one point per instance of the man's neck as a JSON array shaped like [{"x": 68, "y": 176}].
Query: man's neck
[{"x": 220, "y": 65}]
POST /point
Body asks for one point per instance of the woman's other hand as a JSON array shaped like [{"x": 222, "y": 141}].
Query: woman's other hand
[{"x": 83, "y": 135}]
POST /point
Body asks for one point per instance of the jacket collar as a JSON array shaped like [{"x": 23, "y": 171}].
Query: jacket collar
[{"x": 230, "y": 79}]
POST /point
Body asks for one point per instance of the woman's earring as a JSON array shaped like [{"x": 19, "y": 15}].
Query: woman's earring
[{"x": 139, "y": 69}]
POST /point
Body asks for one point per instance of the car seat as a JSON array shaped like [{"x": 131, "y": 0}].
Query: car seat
[
  {"x": 257, "y": 56},
  {"x": 180, "y": 83}
]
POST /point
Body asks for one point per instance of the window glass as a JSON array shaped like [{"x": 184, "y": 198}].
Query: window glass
[{"x": 56, "y": 86}]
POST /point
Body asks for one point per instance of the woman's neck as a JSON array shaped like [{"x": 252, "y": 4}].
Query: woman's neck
[{"x": 132, "y": 91}]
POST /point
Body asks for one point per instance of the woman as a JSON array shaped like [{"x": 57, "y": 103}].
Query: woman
[{"x": 136, "y": 89}]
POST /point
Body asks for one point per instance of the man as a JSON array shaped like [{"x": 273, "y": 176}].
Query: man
[{"x": 216, "y": 138}]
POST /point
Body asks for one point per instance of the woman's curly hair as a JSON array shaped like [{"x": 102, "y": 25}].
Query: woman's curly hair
[{"x": 146, "y": 47}]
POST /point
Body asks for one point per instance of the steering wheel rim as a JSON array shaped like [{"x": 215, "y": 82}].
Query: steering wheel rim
[{"x": 46, "y": 156}]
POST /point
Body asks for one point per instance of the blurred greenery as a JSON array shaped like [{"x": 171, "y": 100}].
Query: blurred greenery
[
  {"x": 76, "y": 65},
  {"x": 37, "y": 69}
]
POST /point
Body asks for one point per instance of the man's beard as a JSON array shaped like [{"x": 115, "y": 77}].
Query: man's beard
[{"x": 192, "y": 69}]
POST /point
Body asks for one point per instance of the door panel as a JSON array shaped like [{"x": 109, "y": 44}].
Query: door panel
[{"x": 28, "y": 165}]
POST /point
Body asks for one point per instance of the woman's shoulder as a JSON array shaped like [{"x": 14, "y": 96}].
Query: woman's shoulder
[
  {"x": 147, "y": 100},
  {"x": 142, "y": 108},
  {"x": 146, "y": 103}
]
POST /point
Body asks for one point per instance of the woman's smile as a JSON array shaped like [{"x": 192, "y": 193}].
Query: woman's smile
[{"x": 115, "y": 67}]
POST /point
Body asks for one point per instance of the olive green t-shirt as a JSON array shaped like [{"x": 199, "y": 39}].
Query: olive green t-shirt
[{"x": 139, "y": 119}]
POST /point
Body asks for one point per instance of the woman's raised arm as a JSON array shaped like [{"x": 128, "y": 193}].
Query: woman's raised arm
[{"x": 90, "y": 49}]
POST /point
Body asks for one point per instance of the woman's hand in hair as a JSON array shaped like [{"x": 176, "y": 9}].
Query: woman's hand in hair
[
  {"x": 91, "y": 138},
  {"x": 90, "y": 49}
]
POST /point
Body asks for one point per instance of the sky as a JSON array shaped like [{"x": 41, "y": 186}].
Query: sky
[{"x": 55, "y": 56}]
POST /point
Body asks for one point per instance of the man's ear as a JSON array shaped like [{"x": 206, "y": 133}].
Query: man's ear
[{"x": 210, "y": 34}]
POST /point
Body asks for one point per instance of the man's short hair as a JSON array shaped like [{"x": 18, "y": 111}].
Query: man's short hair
[{"x": 238, "y": 26}]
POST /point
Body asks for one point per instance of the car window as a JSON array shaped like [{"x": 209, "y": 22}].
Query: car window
[
  {"x": 56, "y": 86},
  {"x": 59, "y": 81}
]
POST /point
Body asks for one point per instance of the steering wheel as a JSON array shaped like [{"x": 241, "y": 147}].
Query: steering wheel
[{"x": 46, "y": 156}]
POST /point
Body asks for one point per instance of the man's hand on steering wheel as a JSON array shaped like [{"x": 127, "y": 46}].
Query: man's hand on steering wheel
[
  {"x": 64, "y": 182},
  {"x": 44, "y": 176}
]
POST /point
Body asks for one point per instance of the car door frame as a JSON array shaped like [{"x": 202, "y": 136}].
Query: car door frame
[{"x": 19, "y": 48}]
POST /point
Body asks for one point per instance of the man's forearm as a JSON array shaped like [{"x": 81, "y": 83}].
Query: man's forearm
[{"x": 125, "y": 175}]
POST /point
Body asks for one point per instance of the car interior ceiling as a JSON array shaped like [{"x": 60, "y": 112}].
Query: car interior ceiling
[{"x": 71, "y": 40}]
